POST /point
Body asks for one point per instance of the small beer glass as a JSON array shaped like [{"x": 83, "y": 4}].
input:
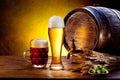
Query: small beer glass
[{"x": 38, "y": 53}]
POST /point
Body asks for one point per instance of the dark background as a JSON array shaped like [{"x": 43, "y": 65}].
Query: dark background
[{"x": 107, "y": 3}]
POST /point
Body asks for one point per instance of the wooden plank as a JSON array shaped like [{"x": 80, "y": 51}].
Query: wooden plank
[{"x": 17, "y": 67}]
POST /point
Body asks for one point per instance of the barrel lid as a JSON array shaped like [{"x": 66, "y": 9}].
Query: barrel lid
[{"x": 80, "y": 30}]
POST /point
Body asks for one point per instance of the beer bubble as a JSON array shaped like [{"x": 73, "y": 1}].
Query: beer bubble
[
  {"x": 39, "y": 43},
  {"x": 56, "y": 21}
]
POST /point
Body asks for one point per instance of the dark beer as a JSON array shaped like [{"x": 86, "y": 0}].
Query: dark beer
[
  {"x": 38, "y": 53},
  {"x": 39, "y": 56}
]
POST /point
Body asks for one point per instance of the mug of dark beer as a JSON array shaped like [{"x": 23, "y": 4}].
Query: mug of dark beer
[{"x": 38, "y": 53}]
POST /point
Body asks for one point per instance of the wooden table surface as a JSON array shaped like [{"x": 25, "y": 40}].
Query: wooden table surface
[{"x": 17, "y": 67}]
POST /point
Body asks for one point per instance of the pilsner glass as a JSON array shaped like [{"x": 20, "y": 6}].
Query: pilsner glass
[{"x": 56, "y": 35}]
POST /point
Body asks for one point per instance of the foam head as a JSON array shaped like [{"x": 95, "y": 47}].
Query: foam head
[
  {"x": 39, "y": 43},
  {"x": 56, "y": 21}
]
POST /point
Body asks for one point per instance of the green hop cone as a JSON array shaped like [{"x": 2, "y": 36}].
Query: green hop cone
[
  {"x": 95, "y": 67},
  {"x": 98, "y": 69},
  {"x": 92, "y": 71}
]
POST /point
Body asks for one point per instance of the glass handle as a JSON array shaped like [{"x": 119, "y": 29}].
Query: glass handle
[{"x": 24, "y": 55}]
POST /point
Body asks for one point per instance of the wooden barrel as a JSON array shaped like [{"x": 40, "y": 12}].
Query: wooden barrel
[{"x": 93, "y": 27}]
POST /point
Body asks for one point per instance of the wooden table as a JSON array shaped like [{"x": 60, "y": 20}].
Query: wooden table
[{"x": 17, "y": 67}]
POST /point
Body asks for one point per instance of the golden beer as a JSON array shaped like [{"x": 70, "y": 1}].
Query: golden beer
[{"x": 56, "y": 35}]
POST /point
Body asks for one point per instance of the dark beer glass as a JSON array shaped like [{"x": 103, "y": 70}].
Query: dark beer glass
[{"x": 38, "y": 53}]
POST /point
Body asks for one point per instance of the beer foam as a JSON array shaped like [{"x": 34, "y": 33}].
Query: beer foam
[
  {"x": 39, "y": 43},
  {"x": 56, "y": 21}
]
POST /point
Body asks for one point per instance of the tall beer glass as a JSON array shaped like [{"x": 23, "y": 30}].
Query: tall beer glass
[{"x": 56, "y": 34}]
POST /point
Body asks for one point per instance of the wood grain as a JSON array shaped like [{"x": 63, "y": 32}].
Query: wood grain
[{"x": 17, "y": 67}]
